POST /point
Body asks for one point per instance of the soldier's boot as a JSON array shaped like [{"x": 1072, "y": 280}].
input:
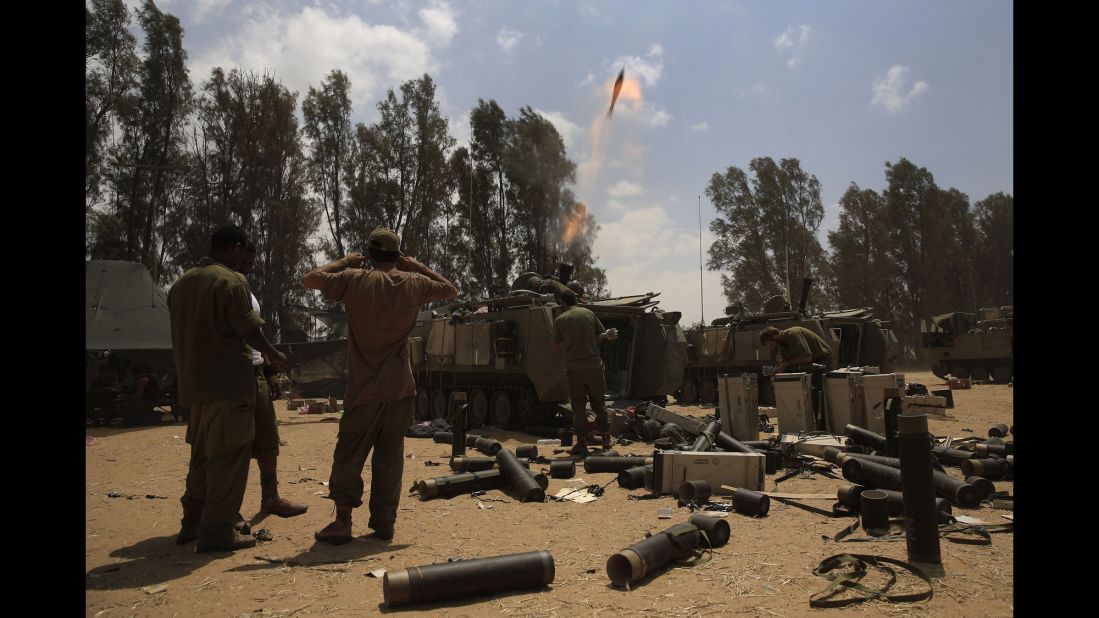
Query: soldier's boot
[
  {"x": 224, "y": 539},
  {"x": 188, "y": 529},
  {"x": 339, "y": 531},
  {"x": 271, "y": 502},
  {"x": 606, "y": 442}
]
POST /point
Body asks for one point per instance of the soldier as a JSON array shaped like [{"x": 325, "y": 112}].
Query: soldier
[
  {"x": 800, "y": 347},
  {"x": 382, "y": 305},
  {"x": 580, "y": 331},
  {"x": 211, "y": 320}
]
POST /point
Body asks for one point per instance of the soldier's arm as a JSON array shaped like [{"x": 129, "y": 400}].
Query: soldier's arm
[
  {"x": 315, "y": 279},
  {"x": 445, "y": 290}
]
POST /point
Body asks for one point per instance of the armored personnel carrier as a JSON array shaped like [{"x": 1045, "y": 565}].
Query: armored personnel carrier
[
  {"x": 730, "y": 345},
  {"x": 497, "y": 350},
  {"x": 966, "y": 345}
]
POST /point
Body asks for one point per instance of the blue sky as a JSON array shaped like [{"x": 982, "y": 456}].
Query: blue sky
[{"x": 843, "y": 86}]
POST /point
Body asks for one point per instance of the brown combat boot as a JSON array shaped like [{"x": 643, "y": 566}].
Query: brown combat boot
[
  {"x": 339, "y": 531},
  {"x": 606, "y": 442},
  {"x": 271, "y": 502},
  {"x": 225, "y": 539}
]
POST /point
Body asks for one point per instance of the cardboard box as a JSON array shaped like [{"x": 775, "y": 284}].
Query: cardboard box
[
  {"x": 740, "y": 470},
  {"x": 793, "y": 397}
]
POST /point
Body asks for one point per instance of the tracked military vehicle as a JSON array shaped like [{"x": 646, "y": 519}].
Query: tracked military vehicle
[
  {"x": 497, "y": 351},
  {"x": 730, "y": 345},
  {"x": 965, "y": 345}
]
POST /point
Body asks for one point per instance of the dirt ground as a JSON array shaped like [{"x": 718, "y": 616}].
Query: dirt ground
[{"x": 134, "y": 567}]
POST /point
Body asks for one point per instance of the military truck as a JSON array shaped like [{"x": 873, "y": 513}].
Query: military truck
[
  {"x": 730, "y": 345},
  {"x": 966, "y": 345},
  {"x": 497, "y": 350}
]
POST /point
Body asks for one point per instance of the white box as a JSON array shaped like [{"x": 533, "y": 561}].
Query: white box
[
  {"x": 738, "y": 398},
  {"x": 793, "y": 397},
  {"x": 873, "y": 392},
  {"x": 845, "y": 401},
  {"x": 814, "y": 445},
  {"x": 740, "y": 470}
]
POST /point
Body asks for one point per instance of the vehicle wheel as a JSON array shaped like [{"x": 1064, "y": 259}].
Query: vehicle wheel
[
  {"x": 478, "y": 408},
  {"x": 530, "y": 407},
  {"x": 939, "y": 371},
  {"x": 438, "y": 403},
  {"x": 687, "y": 394},
  {"x": 423, "y": 405},
  {"x": 958, "y": 371},
  {"x": 979, "y": 373},
  {"x": 500, "y": 410},
  {"x": 709, "y": 392},
  {"x": 1001, "y": 374}
]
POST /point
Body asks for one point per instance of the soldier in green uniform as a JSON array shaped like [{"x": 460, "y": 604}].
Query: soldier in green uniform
[
  {"x": 382, "y": 305},
  {"x": 580, "y": 331},
  {"x": 212, "y": 318},
  {"x": 800, "y": 347}
]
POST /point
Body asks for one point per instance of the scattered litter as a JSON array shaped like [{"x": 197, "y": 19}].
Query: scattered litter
[
  {"x": 113, "y": 494},
  {"x": 410, "y": 456},
  {"x": 966, "y": 519},
  {"x": 90, "y": 440},
  {"x": 483, "y": 506},
  {"x": 318, "y": 493},
  {"x": 378, "y": 573},
  {"x": 1008, "y": 517},
  {"x": 157, "y": 589},
  {"x": 175, "y": 437},
  {"x": 665, "y": 513},
  {"x": 263, "y": 535},
  {"x": 325, "y": 483},
  {"x": 573, "y": 495},
  {"x": 303, "y": 468},
  {"x": 431, "y": 463}
]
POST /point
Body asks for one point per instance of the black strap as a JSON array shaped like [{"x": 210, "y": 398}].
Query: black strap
[{"x": 841, "y": 581}]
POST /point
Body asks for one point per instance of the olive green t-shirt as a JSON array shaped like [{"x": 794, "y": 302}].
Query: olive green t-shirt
[
  {"x": 799, "y": 341},
  {"x": 381, "y": 310},
  {"x": 578, "y": 329},
  {"x": 210, "y": 309}
]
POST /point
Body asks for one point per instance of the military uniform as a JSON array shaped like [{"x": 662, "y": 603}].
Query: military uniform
[
  {"x": 799, "y": 341},
  {"x": 379, "y": 403},
  {"x": 578, "y": 329},
  {"x": 211, "y": 311}
]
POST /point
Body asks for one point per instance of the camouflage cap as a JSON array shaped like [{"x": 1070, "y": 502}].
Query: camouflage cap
[{"x": 384, "y": 240}]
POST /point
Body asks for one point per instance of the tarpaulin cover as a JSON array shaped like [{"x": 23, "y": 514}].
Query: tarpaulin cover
[{"x": 124, "y": 309}]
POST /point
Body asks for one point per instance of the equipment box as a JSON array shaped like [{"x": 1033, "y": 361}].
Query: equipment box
[
  {"x": 738, "y": 400},
  {"x": 740, "y": 470},
  {"x": 793, "y": 396},
  {"x": 873, "y": 392},
  {"x": 845, "y": 402}
]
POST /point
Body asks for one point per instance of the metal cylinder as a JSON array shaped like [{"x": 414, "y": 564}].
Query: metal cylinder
[
  {"x": 520, "y": 479},
  {"x": 878, "y": 476},
  {"x": 772, "y": 461},
  {"x": 695, "y": 491},
  {"x": 471, "y": 464},
  {"x": 731, "y": 444},
  {"x": 442, "y": 437},
  {"x": 614, "y": 464},
  {"x": 893, "y": 403},
  {"x": 705, "y": 440},
  {"x": 716, "y": 529},
  {"x": 488, "y": 446},
  {"x": 466, "y": 578},
  {"x": 471, "y": 440},
  {"x": 651, "y": 430},
  {"x": 851, "y": 497},
  {"x": 983, "y": 485},
  {"x": 874, "y": 508},
  {"x": 892, "y": 462},
  {"x": 951, "y": 456},
  {"x": 640, "y": 559},
  {"x": 921, "y": 528},
  {"x": 998, "y": 431},
  {"x": 460, "y": 413},
  {"x": 994, "y": 441},
  {"x": 530, "y": 451},
  {"x": 566, "y": 437},
  {"x": 445, "y": 486},
  {"x": 634, "y": 478},
  {"x": 563, "y": 469},
  {"x": 751, "y": 502},
  {"x": 757, "y": 444},
  {"x": 865, "y": 437},
  {"x": 991, "y": 469},
  {"x": 986, "y": 450}
]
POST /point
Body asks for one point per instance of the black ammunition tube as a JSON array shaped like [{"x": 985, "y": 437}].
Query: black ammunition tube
[
  {"x": 634, "y": 478},
  {"x": 446, "y": 486},
  {"x": 442, "y": 437},
  {"x": 530, "y": 451},
  {"x": 951, "y": 456},
  {"x": 563, "y": 469},
  {"x": 716, "y": 529},
  {"x": 998, "y": 431},
  {"x": 751, "y": 502},
  {"x": 757, "y": 444},
  {"x": 520, "y": 479},
  {"x": 986, "y": 450},
  {"x": 705, "y": 440},
  {"x": 893, "y": 404},
  {"x": 921, "y": 528},
  {"x": 467, "y": 578},
  {"x": 991, "y": 469},
  {"x": 994, "y": 441},
  {"x": 772, "y": 461},
  {"x": 458, "y": 444},
  {"x": 695, "y": 491},
  {"x": 640, "y": 559},
  {"x": 614, "y": 464},
  {"x": 865, "y": 437},
  {"x": 983, "y": 485},
  {"x": 878, "y": 476},
  {"x": 874, "y": 508},
  {"x": 892, "y": 462},
  {"x": 471, "y": 464},
  {"x": 488, "y": 446},
  {"x": 731, "y": 444},
  {"x": 471, "y": 440},
  {"x": 850, "y": 496}
]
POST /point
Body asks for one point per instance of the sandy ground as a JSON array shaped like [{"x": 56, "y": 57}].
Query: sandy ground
[{"x": 134, "y": 567}]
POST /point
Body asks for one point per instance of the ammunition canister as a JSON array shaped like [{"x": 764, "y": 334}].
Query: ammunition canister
[
  {"x": 875, "y": 475},
  {"x": 991, "y": 469},
  {"x": 851, "y": 496},
  {"x": 750, "y": 502},
  {"x": 614, "y": 464},
  {"x": 466, "y": 578},
  {"x": 921, "y": 529},
  {"x": 865, "y": 437},
  {"x": 530, "y": 451},
  {"x": 998, "y": 431},
  {"x": 731, "y": 444},
  {"x": 951, "y": 456},
  {"x": 772, "y": 461},
  {"x": 471, "y": 440},
  {"x": 987, "y": 450},
  {"x": 716, "y": 529},
  {"x": 640, "y": 559},
  {"x": 874, "y": 507},
  {"x": 983, "y": 485},
  {"x": 442, "y": 437},
  {"x": 706, "y": 439},
  {"x": 563, "y": 469},
  {"x": 521, "y": 479},
  {"x": 695, "y": 491},
  {"x": 634, "y": 478},
  {"x": 488, "y": 446},
  {"x": 446, "y": 486}
]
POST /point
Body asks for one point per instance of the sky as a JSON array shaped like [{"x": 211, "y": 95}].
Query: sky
[{"x": 843, "y": 86}]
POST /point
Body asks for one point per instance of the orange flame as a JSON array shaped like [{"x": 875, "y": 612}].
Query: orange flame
[{"x": 574, "y": 223}]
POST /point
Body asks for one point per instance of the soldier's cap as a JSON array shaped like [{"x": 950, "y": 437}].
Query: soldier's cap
[{"x": 384, "y": 240}]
